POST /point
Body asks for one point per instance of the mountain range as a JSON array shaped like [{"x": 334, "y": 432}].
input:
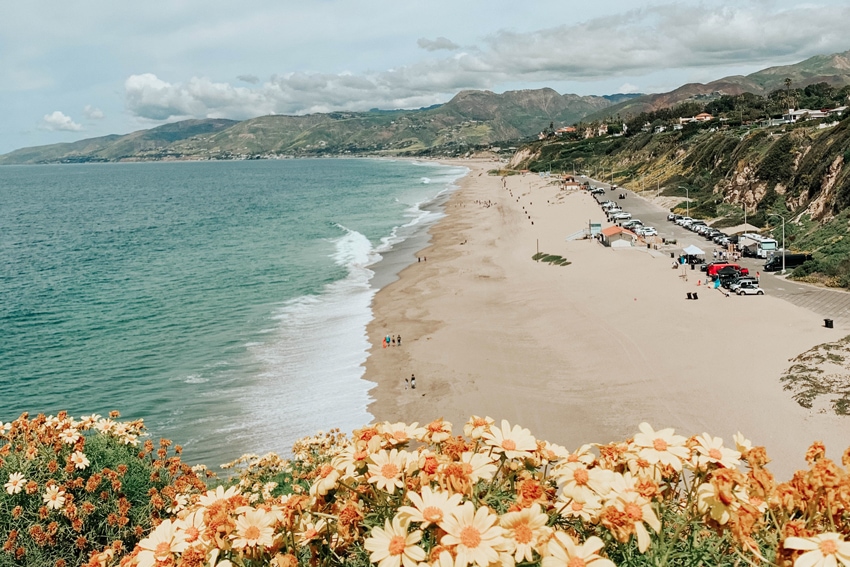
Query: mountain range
[{"x": 470, "y": 120}]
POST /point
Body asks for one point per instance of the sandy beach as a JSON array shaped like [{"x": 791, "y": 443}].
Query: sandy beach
[{"x": 582, "y": 353}]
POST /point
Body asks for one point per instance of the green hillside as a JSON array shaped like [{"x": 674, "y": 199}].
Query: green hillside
[
  {"x": 729, "y": 168},
  {"x": 831, "y": 69},
  {"x": 470, "y": 120}
]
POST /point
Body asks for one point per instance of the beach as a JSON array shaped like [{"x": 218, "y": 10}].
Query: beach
[{"x": 582, "y": 353}]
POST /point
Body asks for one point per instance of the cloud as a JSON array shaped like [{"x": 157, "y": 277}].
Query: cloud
[
  {"x": 677, "y": 36},
  {"x": 252, "y": 79},
  {"x": 627, "y": 88},
  {"x": 93, "y": 113},
  {"x": 59, "y": 121},
  {"x": 437, "y": 44}
]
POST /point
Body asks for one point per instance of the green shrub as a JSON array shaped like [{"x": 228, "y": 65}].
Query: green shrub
[{"x": 75, "y": 489}]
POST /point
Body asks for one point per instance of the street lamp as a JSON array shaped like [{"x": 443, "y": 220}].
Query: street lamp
[{"x": 783, "y": 238}]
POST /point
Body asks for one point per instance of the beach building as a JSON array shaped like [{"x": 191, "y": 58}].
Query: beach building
[
  {"x": 569, "y": 183},
  {"x": 618, "y": 237}
]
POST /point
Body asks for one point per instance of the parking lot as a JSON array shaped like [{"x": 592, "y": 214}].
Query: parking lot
[{"x": 827, "y": 303}]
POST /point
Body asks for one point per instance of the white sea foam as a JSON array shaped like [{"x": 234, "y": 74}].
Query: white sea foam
[
  {"x": 311, "y": 361},
  {"x": 311, "y": 366}
]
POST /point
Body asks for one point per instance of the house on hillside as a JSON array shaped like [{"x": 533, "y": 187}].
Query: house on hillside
[
  {"x": 803, "y": 114},
  {"x": 701, "y": 117},
  {"x": 565, "y": 130},
  {"x": 617, "y": 237}
]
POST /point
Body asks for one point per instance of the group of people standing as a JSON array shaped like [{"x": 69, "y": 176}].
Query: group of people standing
[
  {"x": 390, "y": 340},
  {"x": 724, "y": 255}
]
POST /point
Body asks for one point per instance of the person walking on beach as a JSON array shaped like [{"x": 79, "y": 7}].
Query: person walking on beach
[
  {"x": 406, "y": 383},
  {"x": 412, "y": 382},
  {"x": 398, "y": 340},
  {"x": 393, "y": 339}
]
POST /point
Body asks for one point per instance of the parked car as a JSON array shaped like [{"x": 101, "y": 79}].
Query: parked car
[
  {"x": 742, "y": 281},
  {"x": 672, "y": 216},
  {"x": 713, "y": 268},
  {"x": 753, "y": 289},
  {"x": 791, "y": 261},
  {"x": 622, "y": 215},
  {"x": 684, "y": 221},
  {"x": 648, "y": 231}
]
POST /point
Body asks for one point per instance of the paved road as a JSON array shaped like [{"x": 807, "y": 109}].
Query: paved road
[{"x": 827, "y": 303}]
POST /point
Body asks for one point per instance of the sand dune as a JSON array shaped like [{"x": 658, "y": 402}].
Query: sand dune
[{"x": 582, "y": 353}]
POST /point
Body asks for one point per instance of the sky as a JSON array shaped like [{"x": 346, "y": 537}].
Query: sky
[{"x": 75, "y": 70}]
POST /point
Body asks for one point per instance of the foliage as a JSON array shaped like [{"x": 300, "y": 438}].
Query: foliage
[
  {"x": 551, "y": 259},
  {"x": 82, "y": 491}
]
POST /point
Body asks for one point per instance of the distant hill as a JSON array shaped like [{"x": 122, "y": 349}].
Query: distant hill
[
  {"x": 832, "y": 69},
  {"x": 471, "y": 119},
  {"x": 135, "y": 145}
]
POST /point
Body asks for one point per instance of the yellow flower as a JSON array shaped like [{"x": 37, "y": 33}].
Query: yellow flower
[
  {"x": 69, "y": 436},
  {"x": 742, "y": 444},
  {"x": 445, "y": 559},
  {"x": 480, "y": 467},
  {"x": 570, "y": 554},
  {"x": 476, "y": 427},
  {"x": 709, "y": 502},
  {"x": 309, "y": 531},
  {"x": 54, "y": 497},
  {"x": 79, "y": 459},
  {"x": 16, "y": 483},
  {"x": 327, "y": 476},
  {"x": 431, "y": 507},
  {"x": 578, "y": 481},
  {"x": 213, "y": 496},
  {"x": 587, "y": 509},
  {"x": 475, "y": 535},
  {"x": 392, "y": 546},
  {"x": 254, "y": 529},
  {"x": 400, "y": 433},
  {"x": 161, "y": 545},
  {"x": 514, "y": 443},
  {"x": 638, "y": 511},
  {"x": 192, "y": 527},
  {"x": 711, "y": 450},
  {"x": 523, "y": 531},
  {"x": 436, "y": 432},
  {"x": 661, "y": 446},
  {"x": 386, "y": 469},
  {"x": 822, "y": 550}
]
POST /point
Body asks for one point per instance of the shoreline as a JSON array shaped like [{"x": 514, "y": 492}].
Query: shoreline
[{"x": 581, "y": 353}]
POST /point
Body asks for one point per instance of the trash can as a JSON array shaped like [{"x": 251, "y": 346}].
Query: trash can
[
  {"x": 827, "y": 323},
  {"x": 693, "y": 266},
  {"x": 672, "y": 254}
]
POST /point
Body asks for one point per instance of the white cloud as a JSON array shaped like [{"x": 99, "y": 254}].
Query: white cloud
[
  {"x": 252, "y": 79},
  {"x": 437, "y": 44},
  {"x": 59, "y": 121},
  {"x": 684, "y": 36},
  {"x": 627, "y": 88},
  {"x": 93, "y": 113}
]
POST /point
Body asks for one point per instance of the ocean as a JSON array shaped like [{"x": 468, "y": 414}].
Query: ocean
[{"x": 225, "y": 303}]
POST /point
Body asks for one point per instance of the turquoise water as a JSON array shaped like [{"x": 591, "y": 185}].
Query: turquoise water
[{"x": 223, "y": 302}]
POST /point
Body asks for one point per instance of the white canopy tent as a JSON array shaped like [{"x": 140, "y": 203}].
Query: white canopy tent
[{"x": 693, "y": 251}]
